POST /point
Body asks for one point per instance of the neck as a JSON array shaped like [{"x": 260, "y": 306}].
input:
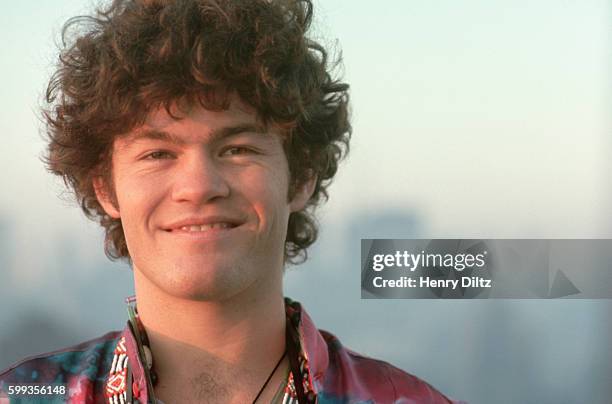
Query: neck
[{"x": 212, "y": 343}]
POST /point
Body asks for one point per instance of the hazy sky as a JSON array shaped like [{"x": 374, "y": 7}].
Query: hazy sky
[
  {"x": 473, "y": 117},
  {"x": 489, "y": 118}
]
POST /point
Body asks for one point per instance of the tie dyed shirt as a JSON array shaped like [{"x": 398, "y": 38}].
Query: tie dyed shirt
[{"x": 331, "y": 373}]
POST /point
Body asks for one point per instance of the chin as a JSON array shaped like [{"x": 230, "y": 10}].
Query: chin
[
  {"x": 204, "y": 282},
  {"x": 204, "y": 292}
]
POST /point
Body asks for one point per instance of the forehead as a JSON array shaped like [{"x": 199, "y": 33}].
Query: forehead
[
  {"x": 237, "y": 111},
  {"x": 182, "y": 122}
]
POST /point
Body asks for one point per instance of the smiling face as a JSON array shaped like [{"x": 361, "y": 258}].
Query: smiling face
[{"x": 203, "y": 202}]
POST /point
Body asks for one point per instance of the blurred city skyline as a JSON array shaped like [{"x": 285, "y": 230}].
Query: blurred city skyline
[{"x": 527, "y": 351}]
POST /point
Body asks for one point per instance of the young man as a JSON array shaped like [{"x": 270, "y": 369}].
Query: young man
[{"x": 201, "y": 134}]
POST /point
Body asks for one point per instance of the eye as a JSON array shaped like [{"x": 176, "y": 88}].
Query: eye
[
  {"x": 158, "y": 155},
  {"x": 237, "y": 150}
]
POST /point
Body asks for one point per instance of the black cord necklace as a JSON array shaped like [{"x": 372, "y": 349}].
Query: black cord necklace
[{"x": 270, "y": 376}]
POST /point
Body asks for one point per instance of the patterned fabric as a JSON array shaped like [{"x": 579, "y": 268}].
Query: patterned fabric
[
  {"x": 83, "y": 369},
  {"x": 94, "y": 371},
  {"x": 116, "y": 382}
]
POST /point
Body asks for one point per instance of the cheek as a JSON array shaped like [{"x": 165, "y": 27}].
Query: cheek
[
  {"x": 138, "y": 200},
  {"x": 267, "y": 194}
]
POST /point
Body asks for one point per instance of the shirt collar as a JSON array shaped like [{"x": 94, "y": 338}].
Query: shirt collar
[{"x": 313, "y": 347}]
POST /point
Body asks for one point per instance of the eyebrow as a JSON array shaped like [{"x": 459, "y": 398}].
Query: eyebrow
[{"x": 217, "y": 134}]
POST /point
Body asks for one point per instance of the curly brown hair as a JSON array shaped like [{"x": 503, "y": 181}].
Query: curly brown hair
[{"x": 116, "y": 66}]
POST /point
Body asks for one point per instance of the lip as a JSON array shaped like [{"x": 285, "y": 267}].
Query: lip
[
  {"x": 208, "y": 235},
  {"x": 175, "y": 227}
]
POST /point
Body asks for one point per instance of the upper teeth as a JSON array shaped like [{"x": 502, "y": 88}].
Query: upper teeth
[{"x": 205, "y": 227}]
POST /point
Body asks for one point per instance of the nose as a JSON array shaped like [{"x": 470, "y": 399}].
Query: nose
[{"x": 199, "y": 179}]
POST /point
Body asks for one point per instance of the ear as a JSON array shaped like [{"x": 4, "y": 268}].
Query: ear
[
  {"x": 302, "y": 194},
  {"x": 105, "y": 198}
]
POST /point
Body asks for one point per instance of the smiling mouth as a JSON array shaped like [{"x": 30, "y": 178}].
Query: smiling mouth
[{"x": 204, "y": 228}]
